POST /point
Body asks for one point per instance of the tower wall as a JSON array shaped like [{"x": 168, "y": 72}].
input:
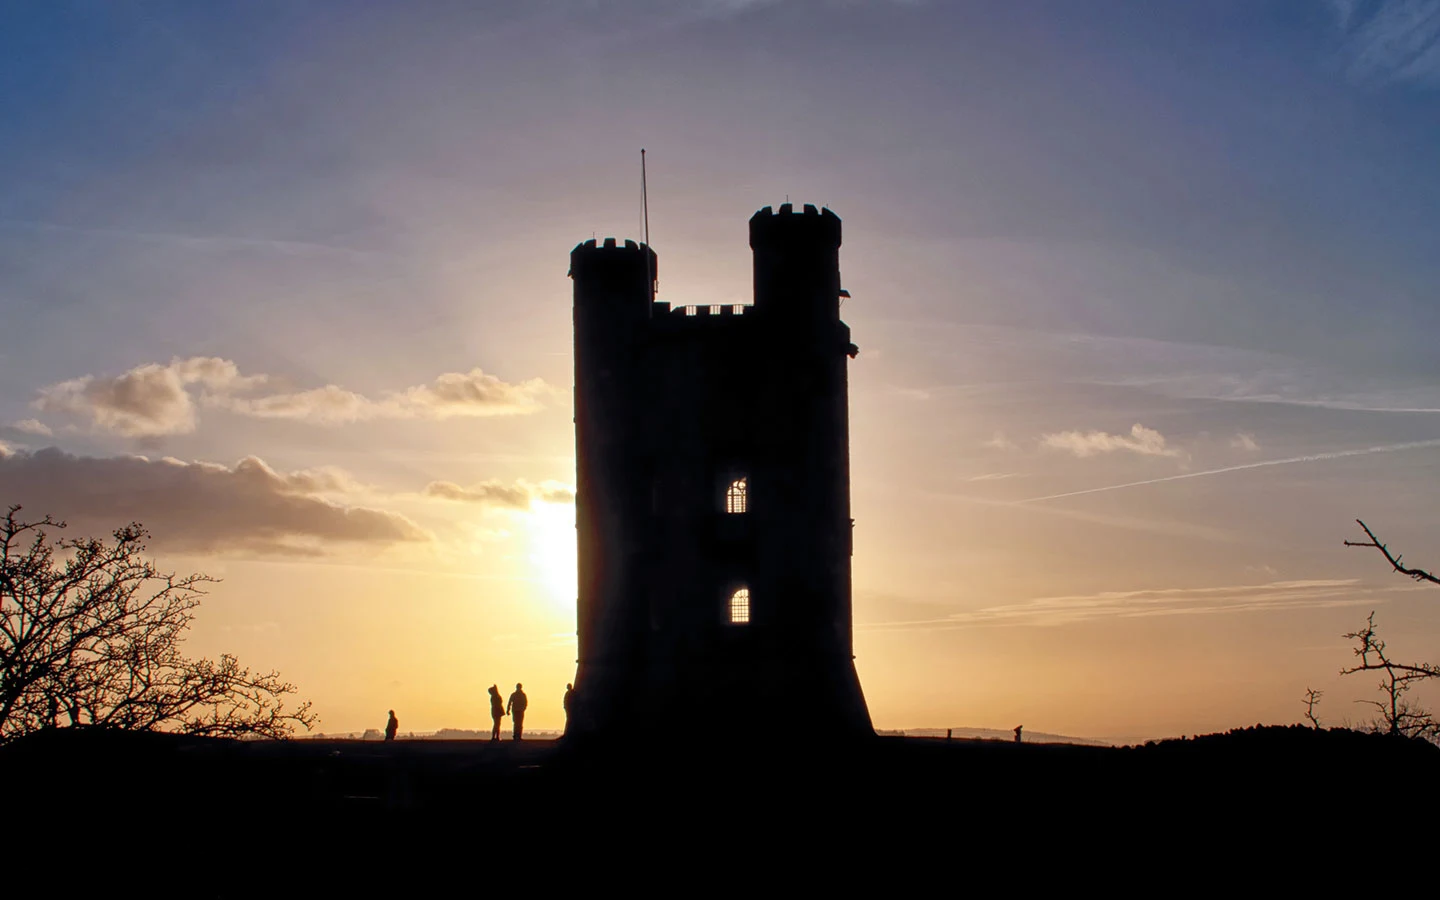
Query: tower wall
[{"x": 672, "y": 406}]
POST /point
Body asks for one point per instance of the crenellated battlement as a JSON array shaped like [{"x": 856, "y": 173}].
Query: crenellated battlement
[
  {"x": 609, "y": 243},
  {"x": 611, "y": 256},
  {"x": 811, "y": 226},
  {"x": 714, "y": 311},
  {"x": 685, "y": 319},
  {"x": 788, "y": 209}
]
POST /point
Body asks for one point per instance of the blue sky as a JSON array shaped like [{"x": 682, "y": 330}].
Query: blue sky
[{"x": 1089, "y": 245}]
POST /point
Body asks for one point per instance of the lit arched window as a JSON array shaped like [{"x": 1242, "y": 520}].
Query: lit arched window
[
  {"x": 735, "y": 496},
  {"x": 740, "y": 607}
]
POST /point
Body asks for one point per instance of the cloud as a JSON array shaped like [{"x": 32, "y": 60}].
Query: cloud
[
  {"x": 32, "y": 426},
  {"x": 518, "y": 495},
  {"x": 1243, "y": 441},
  {"x": 911, "y": 393},
  {"x": 1313, "y": 457},
  {"x": 197, "y": 241},
  {"x": 329, "y": 405},
  {"x": 199, "y": 506},
  {"x": 1001, "y": 442},
  {"x": 1065, "y": 610},
  {"x": 472, "y": 393},
  {"x": 148, "y": 400},
  {"x": 1391, "y": 40},
  {"x": 155, "y": 399},
  {"x": 1146, "y": 524},
  {"x": 1142, "y": 440}
]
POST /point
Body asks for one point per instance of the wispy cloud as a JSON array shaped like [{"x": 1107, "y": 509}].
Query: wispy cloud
[
  {"x": 156, "y": 399},
  {"x": 1189, "y": 531},
  {"x": 1072, "y": 608},
  {"x": 1141, "y": 440},
  {"x": 32, "y": 426},
  {"x": 1391, "y": 40},
  {"x": 1244, "y": 441},
  {"x": 514, "y": 495},
  {"x": 1196, "y": 371},
  {"x": 197, "y": 241},
  {"x": 454, "y": 394},
  {"x": 1313, "y": 457}
]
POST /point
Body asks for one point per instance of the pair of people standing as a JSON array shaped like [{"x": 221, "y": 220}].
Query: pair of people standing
[{"x": 515, "y": 708}]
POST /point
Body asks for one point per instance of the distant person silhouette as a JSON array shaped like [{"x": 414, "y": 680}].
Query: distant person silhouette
[
  {"x": 569, "y": 692},
  {"x": 1017, "y": 733},
  {"x": 391, "y": 726},
  {"x": 497, "y": 711},
  {"x": 516, "y": 708}
]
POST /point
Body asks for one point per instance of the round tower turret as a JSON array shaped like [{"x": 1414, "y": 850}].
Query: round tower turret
[{"x": 797, "y": 262}]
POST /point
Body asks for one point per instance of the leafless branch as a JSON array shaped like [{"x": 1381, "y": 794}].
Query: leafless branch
[
  {"x": 1395, "y": 561},
  {"x": 1312, "y": 700}
]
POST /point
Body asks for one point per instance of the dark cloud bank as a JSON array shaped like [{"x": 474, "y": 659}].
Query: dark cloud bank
[{"x": 198, "y": 507}]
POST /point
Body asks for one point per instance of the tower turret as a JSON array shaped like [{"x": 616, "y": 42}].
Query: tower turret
[
  {"x": 797, "y": 263},
  {"x": 613, "y": 285}
]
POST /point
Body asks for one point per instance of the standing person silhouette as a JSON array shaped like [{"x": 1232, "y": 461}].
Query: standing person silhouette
[
  {"x": 569, "y": 692},
  {"x": 516, "y": 708},
  {"x": 391, "y": 726},
  {"x": 497, "y": 711}
]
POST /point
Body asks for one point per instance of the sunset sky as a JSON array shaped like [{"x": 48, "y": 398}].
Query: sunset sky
[{"x": 1145, "y": 295}]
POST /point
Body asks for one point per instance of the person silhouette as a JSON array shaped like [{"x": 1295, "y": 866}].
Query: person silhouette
[
  {"x": 497, "y": 711},
  {"x": 569, "y": 692},
  {"x": 516, "y": 708},
  {"x": 391, "y": 726},
  {"x": 1017, "y": 733}
]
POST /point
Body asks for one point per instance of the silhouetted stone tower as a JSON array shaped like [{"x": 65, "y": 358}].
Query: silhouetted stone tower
[{"x": 713, "y": 502}]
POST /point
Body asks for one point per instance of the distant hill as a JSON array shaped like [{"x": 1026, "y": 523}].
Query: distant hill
[
  {"x": 444, "y": 734},
  {"x": 471, "y": 734},
  {"x": 996, "y": 734}
]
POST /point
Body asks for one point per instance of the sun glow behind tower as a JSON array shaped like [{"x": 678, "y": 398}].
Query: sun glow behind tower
[{"x": 552, "y": 555}]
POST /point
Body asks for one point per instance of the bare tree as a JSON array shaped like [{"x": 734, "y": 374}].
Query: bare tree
[
  {"x": 90, "y": 634},
  {"x": 1312, "y": 700},
  {"x": 1397, "y": 714}
]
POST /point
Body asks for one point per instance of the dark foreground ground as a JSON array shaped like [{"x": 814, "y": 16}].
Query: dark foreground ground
[{"x": 821, "y": 811}]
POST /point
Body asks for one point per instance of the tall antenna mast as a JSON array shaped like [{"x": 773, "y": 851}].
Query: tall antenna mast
[{"x": 645, "y": 206}]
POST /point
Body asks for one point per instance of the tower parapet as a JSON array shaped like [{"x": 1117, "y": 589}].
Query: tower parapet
[{"x": 811, "y": 225}]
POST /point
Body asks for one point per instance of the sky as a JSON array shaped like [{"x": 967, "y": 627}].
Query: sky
[{"x": 1144, "y": 295}]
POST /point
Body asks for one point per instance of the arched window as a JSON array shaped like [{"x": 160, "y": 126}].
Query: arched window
[
  {"x": 740, "y": 607},
  {"x": 735, "y": 496}
]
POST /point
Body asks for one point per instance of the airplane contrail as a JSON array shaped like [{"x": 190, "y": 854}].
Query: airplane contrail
[{"x": 1313, "y": 457}]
